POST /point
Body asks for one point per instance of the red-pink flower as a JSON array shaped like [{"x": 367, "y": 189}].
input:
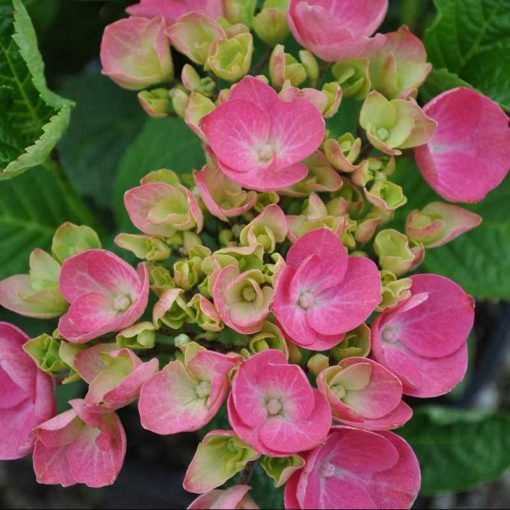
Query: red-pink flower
[
  {"x": 171, "y": 10},
  {"x": 364, "y": 394},
  {"x": 323, "y": 293},
  {"x": 235, "y": 497},
  {"x": 469, "y": 154},
  {"x": 135, "y": 53},
  {"x": 356, "y": 469},
  {"x": 259, "y": 139},
  {"x": 423, "y": 340},
  {"x": 106, "y": 295},
  {"x": 335, "y": 30},
  {"x": 273, "y": 408},
  {"x": 26, "y": 397},
  {"x": 82, "y": 445},
  {"x": 185, "y": 396}
]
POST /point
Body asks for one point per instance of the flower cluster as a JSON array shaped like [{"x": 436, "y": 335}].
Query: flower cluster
[{"x": 273, "y": 284}]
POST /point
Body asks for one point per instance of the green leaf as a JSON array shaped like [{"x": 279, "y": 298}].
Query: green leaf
[
  {"x": 105, "y": 121},
  {"x": 477, "y": 260},
  {"x": 458, "y": 449},
  {"x": 32, "y": 118},
  {"x": 31, "y": 208},
  {"x": 471, "y": 38},
  {"x": 438, "y": 81},
  {"x": 162, "y": 143}
]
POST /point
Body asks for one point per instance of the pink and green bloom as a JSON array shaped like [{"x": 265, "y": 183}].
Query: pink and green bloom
[
  {"x": 322, "y": 293},
  {"x": 105, "y": 294},
  {"x": 423, "y": 339},
  {"x": 274, "y": 409},
  {"x": 276, "y": 136},
  {"x": 235, "y": 497}
]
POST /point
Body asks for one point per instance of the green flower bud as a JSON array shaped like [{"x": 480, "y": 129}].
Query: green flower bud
[
  {"x": 230, "y": 59},
  {"x": 270, "y": 24},
  {"x": 311, "y": 65},
  {"x": 187, "y": 273},
  {"x": 144, "y": 247},
  {"x": 280, "y": 469},
  {"x": 394, "y": 252},
  {"x": 160, "y": 279},
  {"x": 269, "y": 337},
  {"x": 386, "y": 195},
  {"x": 172, "y": 310},
  {"x": 205, "y": 314},
  {"x": 240, "y": 11},
  {"x": 162, "y": 175},
  {"x": 355, "y": 343},
  {"x": 317, "y": 363},
  {"x": 44, "y": 350},
  {"x": 156, "y": 103},
  {"x": 137, "y": 336},
  {"x": 179, "y": 100},
  {"x": 283, "y": 66},
  {"x": 353, "y": 76},
  {"x": 70, "y": 239},
  {"x": 393, "y": 290}
]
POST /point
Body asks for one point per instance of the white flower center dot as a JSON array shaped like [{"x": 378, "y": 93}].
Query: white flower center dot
[
  {"x": 306, "y": 300},
  {"x": 203, "y": 389},
  {"x": 274, "y": 406},
  {"x": 121, "y": 303},
  {"x": 390, "y": 334},
  {"x": 382, "y": 133}
]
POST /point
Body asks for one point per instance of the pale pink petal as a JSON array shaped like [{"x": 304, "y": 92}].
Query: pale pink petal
[{"x": 224, "y": 499}]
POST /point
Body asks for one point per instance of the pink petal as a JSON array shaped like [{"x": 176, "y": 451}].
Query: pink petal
[
  {"x": 255, "y": 90},
  {"x": 224, "y": 499},
  {"x": 469, "y": 154},
  {"x": 297, "y": 130},
  {"x": 347, "y": 305},
  {"x": 235, "y": 130}
]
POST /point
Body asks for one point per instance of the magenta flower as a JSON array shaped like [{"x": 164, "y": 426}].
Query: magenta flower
[
  {"x": 235, "y": 497},
  {"x": 135, "y": 53},
  {"x": 273, "y": 408},
  {"x": 364, "y": 394},
  {"x": 171, "y": 10},
  {"x": 259, "y": 139},
  {"x": 423, "y": 340},
  {"x": 469, "y": 154},
  {"x": 26, "y": 399},
  {"x": 82, "y": 445},
  {"x": 337, "y": 30},
  {"x": 322, "y": 293},
  {"x": 356, "y": 469},
  {"x": 106, "y": 295},
  {"x": 185, "y": 396}
]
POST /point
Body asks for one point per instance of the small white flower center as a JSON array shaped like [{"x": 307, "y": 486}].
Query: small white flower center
[
  {"x": 274, "y": 406},
  {"x": 121, "y": 302},
  {"x": 390, "y": 334},
  {"x": 306, "y": 300},
  {"x": 203, "y": 389},
  {"x": 248, "y": 294},
  {"x": 266, "y": 153},
  {"x": 382, "y": 133},
  {"x": 327, "y": 470}
]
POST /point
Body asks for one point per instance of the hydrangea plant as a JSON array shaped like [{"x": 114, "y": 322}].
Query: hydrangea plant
[{"x": 273, "y": 286}]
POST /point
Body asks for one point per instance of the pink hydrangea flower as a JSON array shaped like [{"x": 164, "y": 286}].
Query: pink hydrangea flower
[
  {"x": 469, "y": 154},
  {"x": 222, "y": 197},
  {"x": 135, "y": 53},
  {"x": 337, "y": 30},
  {"x": 185, "y": 396},
  {"x": 364, "y": 394},
  {"x": 323, "y": 293},
  {"x": 356, "y": 469},
  {"x": 114, "y": 376},
  {"x": 259, "y": 139},
  {"x": 242, "y": 299},
  {"x": 82, "y": 445},
  {"x": 235, "y": 497},
  {"x": 26, "y": 399},
  {"x": 171, "y": 10},
  {"x": 273, "y": 408},
  {"x": 105, "y": 292},
  {"x": 423, "y": 340},
  {"x": 159, "y": 208}
]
